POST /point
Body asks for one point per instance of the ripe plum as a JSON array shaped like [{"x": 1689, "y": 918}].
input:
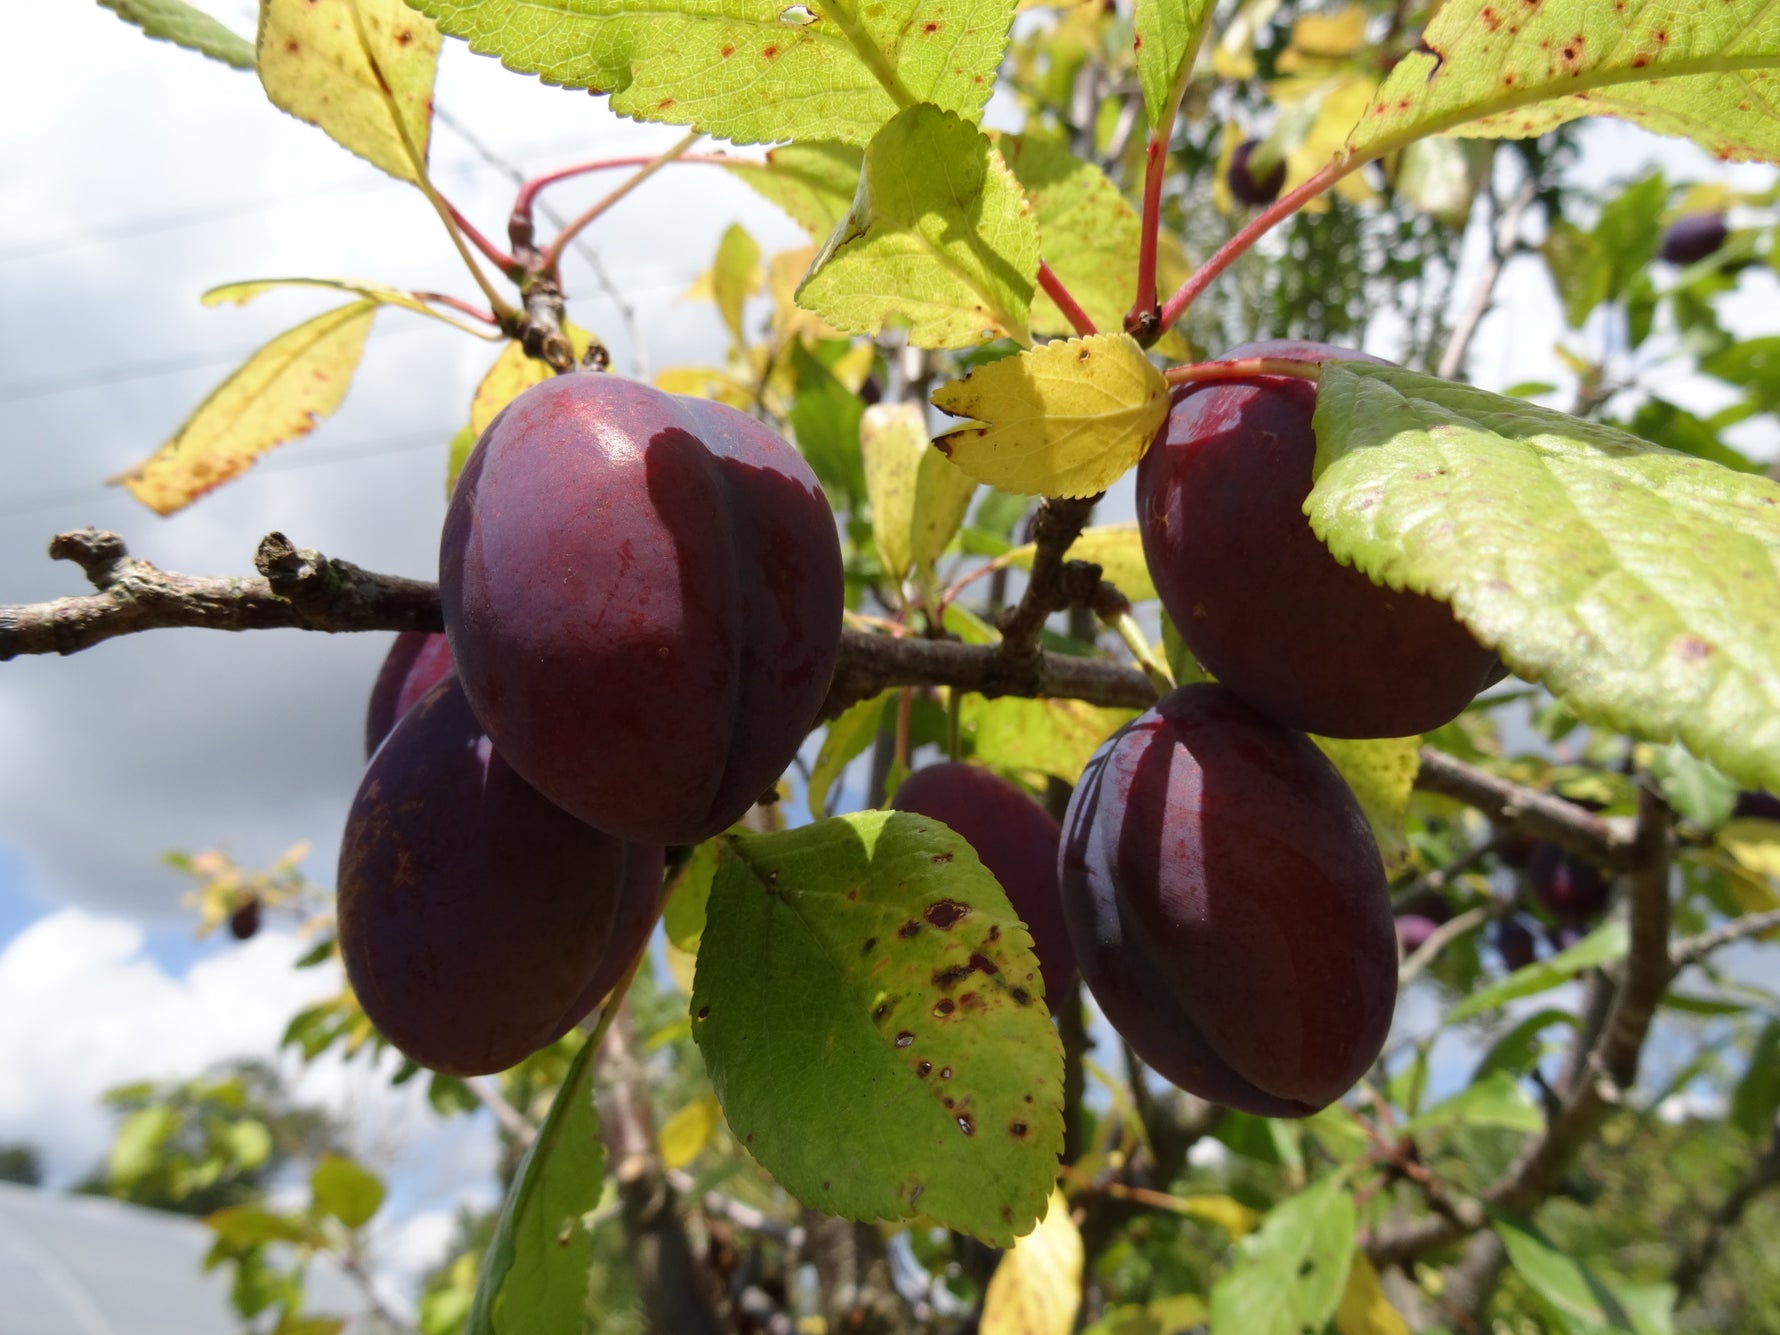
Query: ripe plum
[
  {"x": 1690, "y": 239},
  {"x": 1248, "y": 187},
  {"x": 473, "y": 914},
  {"x": 1228, "y": 905},
  {"x": 1574, "y": 890},
  {"x": 643, "y": 596},
  {"x": 415, "y": 662},
  {"x": 1259, "y": 599},
  {"x": 1016, "y": 839}
]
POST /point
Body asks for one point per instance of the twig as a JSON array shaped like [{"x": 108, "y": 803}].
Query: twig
[
  {"x": 1692, "y": 949},
  {"x": 553, "y": 253},
  {"x": 1079, "y": 320},
  {"x": 1057, "y": 524},
  {"x": 1436, "y": 942},
  {"x": 739, "y": 1213},
  {"x": 1605, "y": 840},
  {"x": 515, "y": 1123},
  {"x": 1503, "y": 244}
]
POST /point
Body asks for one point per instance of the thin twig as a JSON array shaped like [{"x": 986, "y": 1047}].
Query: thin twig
[
  {"x": 1436, "y": 942},
  {"x": 1692, "y": 949},
  {"x": 1504, "y": 242}
]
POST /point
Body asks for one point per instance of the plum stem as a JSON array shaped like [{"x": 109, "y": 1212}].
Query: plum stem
[
  {"x": 1142, "y": 650},
  {"x": 552, "y": 255},
  {"x": 495, "y": 255},
  {"x": 519, "y": 223},
  {"x": 1241, "y": 368},
  {"x": 1144, "y": 320},
  {"x": 1078, "y": 318}
]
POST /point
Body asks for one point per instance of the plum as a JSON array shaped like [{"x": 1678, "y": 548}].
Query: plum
[
  {"x": 415, "y": 662},
  {"x": 1756, "y": 805},
  {"x": 1690, "y": 239},
  {"x": 643, "y": 597},
  {"x": 639, "y": 908},
  {"x": 1016, "y": 839},
  {"x": 1228, "y": 905},
  {"x": 244, "y": 922},
  {"x": 1245, "y": 185},
  {"x": 1413, "y": 930},
  {"x": 1515, "y": 944},
  {"x": 1574, "y": 890},
  {"x": 474, "y": 915},
  {"x": 1259, "y": 600}
]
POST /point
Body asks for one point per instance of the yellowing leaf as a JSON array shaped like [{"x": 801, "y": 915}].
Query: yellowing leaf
[
  {"x": 1381, "y": 771},
  {"x": 1364, "y": 1309},
  {"x": 813, "y": 182},
  {"x": 688, "y": 1131},
  {"x": 1703, "y": 71},
  {"x": 733, "y": 277},
  {"x": 277, "y": 395},
  {"x": 1052, "y": 736},
  {"x": 1116, "y": 548},
  {"x": 512, "y": 374},
  {"x": 706, "y": 382},
  {"x": 1065, "y": 419},
  {"x": 1234, "y": 57},
  {"x": 361, "y": 70},
  {"x": 918, "y": 497},
  {"x": 1750, "y": 852},
  {"x": 1228, "y": 1213},
  {"x": 1037, "y": 1287},
  {"x": 239, "y": 294},
  {"x": 1325, "y": 108},
  {"x": 1322, "y": 41},
  {"x": 939, "y": 238}
]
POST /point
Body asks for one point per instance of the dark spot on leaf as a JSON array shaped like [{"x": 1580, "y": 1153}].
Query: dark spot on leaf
[
  {"x": 994, "y": 934},
  {"x": 908, "y": 929},
  {"x": 949, "y": 1102},
  {"x": 983, "y": 964},
  {"x": 923, "y": 1069},
  {"x": 853, "y": 893},
  {"x": 1029, "y": 1098},
  {"x": 930, "y": 26},
  {"x": 948, "y": 978},
  {"x": 942, "y": 857},
  {"x": 904, "y": 1039},
  {"x": 703, "y": 1011},
  {"x": 882, "y": 1009},
  {"x": 1305, "y": 1267},
  {"x": 403, "y": 36},
  {"x": 825, "y": 1186},
  {"x": 965, "y": 1125},
  {"x": 664, "y": 104},
  {"x": 870, "y": 941},
  {"x": 770, "y": 52},
  {"x": 749, "y": 1139},
  {"x": 945, "y": 1073},
  {"x": 728, "y": 51},
  {"x": 1017, "y": 1129},
  {"x": 1007, "y": 1213},
  {"x": 1021, "y": 996},
  {"x": 944, "y": 1006},
  {"x": 944, "y": 913}
]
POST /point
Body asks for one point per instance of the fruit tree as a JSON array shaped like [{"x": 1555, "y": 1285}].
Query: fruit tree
[{"x": 1290, "y": 907}]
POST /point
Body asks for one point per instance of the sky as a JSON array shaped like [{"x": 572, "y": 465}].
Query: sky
[{"x": 147, "y": 175}]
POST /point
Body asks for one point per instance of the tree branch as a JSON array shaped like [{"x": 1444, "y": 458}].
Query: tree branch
[
  {"x": 1609, "y": 841},
  {"x": 1692, "y": 949}
]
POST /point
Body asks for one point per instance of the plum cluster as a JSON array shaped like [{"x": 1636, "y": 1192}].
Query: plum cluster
[
  {"x": 1221, "y": 886},
  {"x": 642, "y": 604}
]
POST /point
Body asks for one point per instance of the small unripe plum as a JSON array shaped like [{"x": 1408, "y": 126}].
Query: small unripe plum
[
  {"x": 643, "y": 596},
  {"x": 473, "y": 913},
  {"x": 1258, "y": 599},
  {"x": 1248, "y": 187},
  {"x": 1515, "y": 944},
  {"x": 416, "y": 661},
  {"x": 1228, "y": 906},
  {"x": 1016, "y": 839},
  {"x": 244, "y": 922},
  {"x": 1690, "y": 239},
  {"x": 1756, "y": 805},
  {"x": 1573, "y": 889}
]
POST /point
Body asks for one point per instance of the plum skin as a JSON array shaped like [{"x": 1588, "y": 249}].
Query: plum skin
[
  {"x": 1259, "y": 599},
  {"x": 1016, "y": 839},
  {"x": 1248, "y": 188},
  {"x": 473, "y": 914},
  {"x": 415, "y": 662},
  {"x": 1573, "y": 889},
  {"x": 1228, "y": 906},
  {"x": 643, "y": 597},
  {"x": 1692, "y": 238}
]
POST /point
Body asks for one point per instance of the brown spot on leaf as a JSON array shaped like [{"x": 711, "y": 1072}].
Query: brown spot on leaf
[
  {"x": 944, "y": 1006},
  {"x": 904, "y": 1039},
  {"x": 965, "y": 1125},
  {"x": 728, "y": 51},
  {"x": 923, "y": 1068},
  {"x": 909, "y": 929},
  {"x": 770, "y": 52},
  {"x": 943, "y": 858},
  {"x": 704, "y": 1012},
  {"x": 1017, "y": 1129},
  {"x": 870, "y": 941},
  {"x": 1692, "y": 648},
  {"x": 945, "y": 979},
  {"x": 945, "y": 913},
  {"x": 983, "y": 964},
  {"x": 1021, "y": 996},
  {"x": 881, "y": 1010}
]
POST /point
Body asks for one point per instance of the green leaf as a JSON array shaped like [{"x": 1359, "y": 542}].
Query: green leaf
[
  {"x": 813, "y": 182},
  {"x": 136, "y": 1150},
  {"x": 846, "y": 738},
  {"x": 939, "y": 237},
  {"x": 1116, "y": 548},
  {"x": 735, "y": 276},
  {"x": 1638, "y": 584},
  {"x": 1381, "y": 771},
  {"x": 345, "y": 1190},
  {"x": 1289, "y": 1275},
  {"x": 277, "y": 395},
  {"x": 684, "y": 917},
  {"x": 360, "y": 70},
  {"x": 1601, "y": 946},
  {"x": 1694, "y": 788},
  {"x": 242, "y": 1226},
  {"x": 1051, "y": 736},
  {"x": 177, "y": 22},
  {"x": 1066, "y": 419},
  {"x": 1663, "y": 423},
  {"x": 1518, "y": 1051},
  {"x": 1496, "y": 1099},
  {"x": 825, "y": 422},
  {"x": 1088, "y": 231},
  {"x": 871, "y": 1015},
  {"x": 1577, "y": 1295},
  {"x": 1757, "y": 1095},
  {"x": 249, "y": 1143},
  {"x": 750, "y": 71},
  {"x": 1514, "y": 71},
  {"x": 918, "y": 496},
  {"x": 1168, "y": 37},
  {"x": 534, "y": 1278}
]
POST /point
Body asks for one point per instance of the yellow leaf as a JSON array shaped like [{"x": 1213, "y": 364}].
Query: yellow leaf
[
  {"x": 688, "y": 1131},
  {"x": 1751, "y": 859},
  {"x": 918, "y": 498},
  {"x": 1364, "y": 1309},
  {"x": 1234, "y": 57},
  {"x": 361, "y": 70},
  {"x": 1037, "y": 1287},
  {"x": 784, "y": 271},
  {"x": 1328, "y": 106},
  {"x": 681, "y": 965},
  {"x": 239, "y": 294},
  {"x": 1065, "y": 419},
  {"x": 706, "y": 382},
  {"x": 1116, "y": 548},
  {"x": 1228, "y": 1213},
  {"x": 512, "y": 374},
  {"x": 277, "y": 395},
  {"x": 1381, "y": 771},
  {"x": 1052, "y": 736},
  {"x": 1320, "y": 41}
]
